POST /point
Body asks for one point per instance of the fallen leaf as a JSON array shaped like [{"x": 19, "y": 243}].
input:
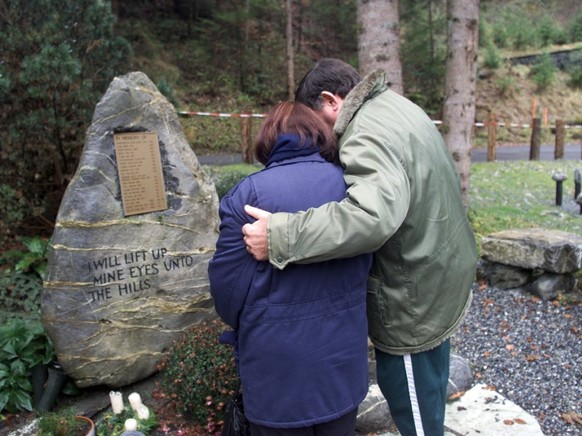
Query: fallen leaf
[
  {"x": 490, "y": 388},
  {"x": 510, "y": 347},
  {"x": 572, "y": 418},
  {"x": 456, "y": 395},
  {"x": 532, "y": 357},
  {"x": 488, "y": 302},
  {"x": 486, "y": 354},
  {"x": 508, "y": 421},
  {"x": 520, "y": 421}
]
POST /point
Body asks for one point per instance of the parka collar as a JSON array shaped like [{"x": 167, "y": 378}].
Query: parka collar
[{"x": 370, "y": 86}]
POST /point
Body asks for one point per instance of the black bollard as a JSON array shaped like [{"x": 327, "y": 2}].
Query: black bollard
[
  {"x": 559, "y": 178},
  {"x": 576, "y": 183},
  {"x": 579, "y": 201}
]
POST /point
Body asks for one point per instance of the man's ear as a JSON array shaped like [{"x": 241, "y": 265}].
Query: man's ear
[{"x": 330, "y": 99}]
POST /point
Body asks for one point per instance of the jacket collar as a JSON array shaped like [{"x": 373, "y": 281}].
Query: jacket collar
[
  {"x": 370, "y": 86},
  {"x": 288, "y": 146}
]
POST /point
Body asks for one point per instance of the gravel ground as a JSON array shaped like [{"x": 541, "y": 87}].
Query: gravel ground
[{"x": 530, "y": 350}]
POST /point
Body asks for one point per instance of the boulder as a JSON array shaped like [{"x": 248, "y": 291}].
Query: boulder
[
  {"x": 460, "y": 375},
  {"x": 548, "y": 250},
  {"x": 547, "y": 286},
  {"x": 373, "y": 413},
  {"x": 119, "y": 290},
  {"x": 504, "y": 276}
]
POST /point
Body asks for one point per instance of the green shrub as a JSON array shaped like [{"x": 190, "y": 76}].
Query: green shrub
[
  {"x": 550, "y": 32},
  {"x": 14, "y": 210},
  {"x": 166, "y": 90},
  {"x": 65, "y": 422},
  {"x": 506, "y": 84},
  {"x": 225, "y": 177},
  {"x": 543, "y": 71},
  {"x": 21, "y": 282},
  {"x": 23, "y": 345},
  {"x": 492, "y": 57},
  {"x": 200, "y": 375},
  {"x": 575, "y": 78},
  {"x": 575, "y": 71},
  {"x": 575, "y": 28}
]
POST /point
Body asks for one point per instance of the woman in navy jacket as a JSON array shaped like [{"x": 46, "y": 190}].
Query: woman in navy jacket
[{"x": 301, "y": 333}]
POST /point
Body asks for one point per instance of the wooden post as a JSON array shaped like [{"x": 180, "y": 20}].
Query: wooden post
[
  {"x": 246, "y": 142},
  {"x": 560, "y": 134},
  {"x": 534, "y": 152},
  {"x": 491, "y": 138}
]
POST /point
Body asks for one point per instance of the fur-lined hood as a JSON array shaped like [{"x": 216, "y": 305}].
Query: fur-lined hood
[{"x": 371, "y": 85}]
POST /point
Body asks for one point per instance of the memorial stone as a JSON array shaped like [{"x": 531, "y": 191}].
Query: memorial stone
[{"x": 120, "y": 288}]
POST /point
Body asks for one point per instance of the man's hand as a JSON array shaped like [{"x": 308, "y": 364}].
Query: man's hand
[{"x": 256, "y": 234}]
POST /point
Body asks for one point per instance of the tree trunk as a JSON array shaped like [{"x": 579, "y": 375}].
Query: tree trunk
[
  {"x": 379, "y": 40},
  {"x": 461, "y": 72},
  {"x": 290, "y": 58}
]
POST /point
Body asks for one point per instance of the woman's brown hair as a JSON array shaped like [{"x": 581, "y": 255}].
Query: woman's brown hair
[{"x": 295, "y": 118}]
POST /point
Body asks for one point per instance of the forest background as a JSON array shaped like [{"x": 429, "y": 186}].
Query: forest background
[{"x": 58, "y": 57}]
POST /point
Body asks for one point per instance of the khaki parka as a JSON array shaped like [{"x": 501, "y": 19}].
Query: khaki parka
[{"x": 404, "y": 204}]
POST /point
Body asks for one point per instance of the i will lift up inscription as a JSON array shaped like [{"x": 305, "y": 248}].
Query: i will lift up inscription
[{"x": 142, "y": 190}]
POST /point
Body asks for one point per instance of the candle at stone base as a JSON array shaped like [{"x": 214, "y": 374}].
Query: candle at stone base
[
  {"x": 134, "y": 400},
  {"x": 143, "y": 412},
  {"x": 130, "y": 424},
  {"x": 116, "y": 402}
]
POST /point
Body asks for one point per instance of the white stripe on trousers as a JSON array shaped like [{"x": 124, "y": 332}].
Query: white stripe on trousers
[{"x": 412, "y": 395}]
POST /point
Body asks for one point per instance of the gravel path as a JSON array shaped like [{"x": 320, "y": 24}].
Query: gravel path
[{"x": 530, "y": 350}]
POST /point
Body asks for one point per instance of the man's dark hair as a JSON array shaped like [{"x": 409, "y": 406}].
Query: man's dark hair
[{"x": 329, "y": 74}]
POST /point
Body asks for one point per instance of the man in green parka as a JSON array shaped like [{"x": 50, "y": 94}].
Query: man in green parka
[{"x": 404, "y": 204}]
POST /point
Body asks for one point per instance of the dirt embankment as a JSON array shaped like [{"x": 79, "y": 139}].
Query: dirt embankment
[{"x": 513, "y": 97}]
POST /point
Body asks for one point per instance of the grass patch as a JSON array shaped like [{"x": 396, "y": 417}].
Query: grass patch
[{"x": 522, "y": 194}]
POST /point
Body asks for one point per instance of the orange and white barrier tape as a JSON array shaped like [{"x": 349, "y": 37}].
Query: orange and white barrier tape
[{"x": 251, "y": 115}]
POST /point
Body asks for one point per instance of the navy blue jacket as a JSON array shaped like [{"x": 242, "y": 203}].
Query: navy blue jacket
[{"x": 301, "y": 332}]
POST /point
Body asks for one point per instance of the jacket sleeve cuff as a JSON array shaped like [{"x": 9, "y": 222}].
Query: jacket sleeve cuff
[{"x": 278, "y": 240}]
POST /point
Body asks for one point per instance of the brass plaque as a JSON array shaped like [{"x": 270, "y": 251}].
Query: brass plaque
[{"x": 139, "y": 166}]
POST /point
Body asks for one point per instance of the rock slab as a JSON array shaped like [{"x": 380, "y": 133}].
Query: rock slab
[
  {"x": 548, "y": 250},
  {"x": 120, "y": 289},
  {"x": 484, "y": 412}
]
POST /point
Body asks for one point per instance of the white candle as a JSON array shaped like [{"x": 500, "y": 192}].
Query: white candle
[
  {"x": 116, "y": 402},
  {"x": 130, "y": 424},
  {"x": 134, "y": 400},
  {"x": 143, "y": 412}
]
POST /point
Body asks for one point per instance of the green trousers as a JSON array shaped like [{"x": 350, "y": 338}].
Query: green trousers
[{"x": 415, "y": 387}]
